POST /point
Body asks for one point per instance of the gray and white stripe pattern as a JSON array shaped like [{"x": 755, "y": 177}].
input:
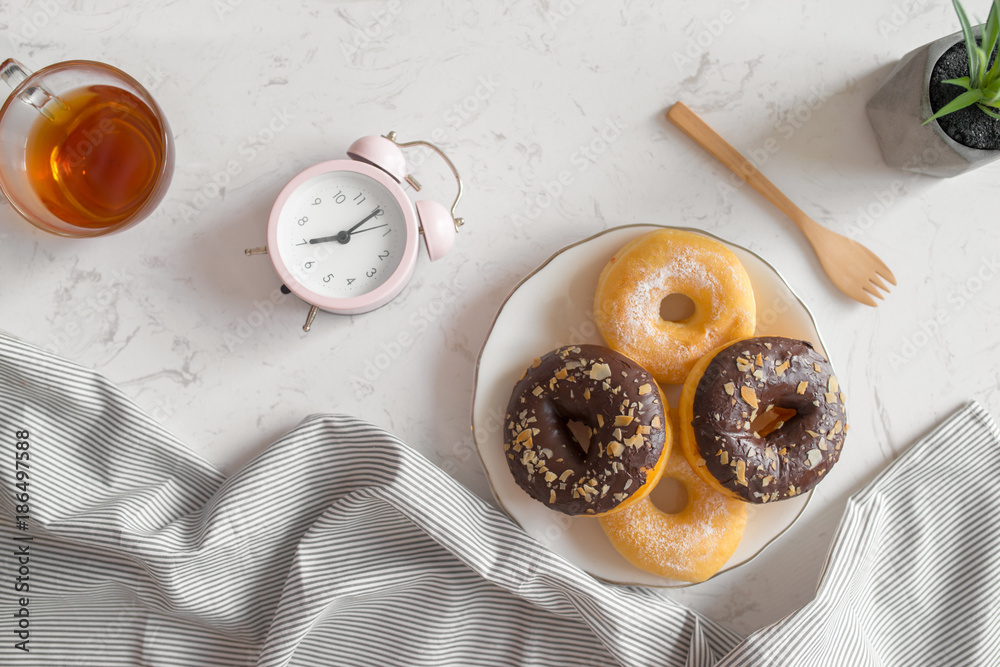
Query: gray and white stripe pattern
[
  {"x": 340, "y": 545},
  {"x": 914, "y": 574}
]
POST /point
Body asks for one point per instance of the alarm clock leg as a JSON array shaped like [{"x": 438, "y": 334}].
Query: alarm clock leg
[{"x": 309, "y": 318}]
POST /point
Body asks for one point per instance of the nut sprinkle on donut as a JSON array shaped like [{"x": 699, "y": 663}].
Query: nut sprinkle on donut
[
  {"x": 614, "y": 400},
  {"x": 768, "y": 418}
]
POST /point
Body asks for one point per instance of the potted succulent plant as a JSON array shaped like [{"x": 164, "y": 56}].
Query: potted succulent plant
[{"x": 938, "y": 112}]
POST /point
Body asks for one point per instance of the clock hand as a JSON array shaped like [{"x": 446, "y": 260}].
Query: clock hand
[
  {"x": 367, "y": 218},
  {"x": 368, "y": 229},
  {"x": 345, "y": 236},
  {"x": 337, "y": 237},
  {"x": 324, "y": 239}
]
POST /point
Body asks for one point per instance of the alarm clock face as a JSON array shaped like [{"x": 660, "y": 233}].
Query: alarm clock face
[{"x": 341, "y": 234}]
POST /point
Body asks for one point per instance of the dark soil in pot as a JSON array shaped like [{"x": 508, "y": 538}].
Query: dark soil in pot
[{"x": 968, "y": 126}]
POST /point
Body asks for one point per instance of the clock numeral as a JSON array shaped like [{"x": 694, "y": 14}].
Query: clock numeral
[
  {"x": 370, "y": 273},
  {"x": 309, "y": 265},
  {"x": 304, "y": 242},
  {"x": 340, "y": 197},
  {"x": 303, "y": 220},
  {"x": 379, "y": 212},
  {"x": 350, "y": 280},
  {"x": 383, "y": 254},
  {"x": 328, "y": 277},
  {"x": 362, "y": 199},
  {"x": 317, "y": 201}
]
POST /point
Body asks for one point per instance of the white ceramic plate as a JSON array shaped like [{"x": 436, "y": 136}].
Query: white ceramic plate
[{"x": 553, "y": 306}]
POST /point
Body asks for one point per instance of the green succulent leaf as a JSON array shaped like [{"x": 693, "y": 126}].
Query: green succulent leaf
[
  {"x": 992, "y": 91},
  {"x": 989, "y": 32},
  {"x": 989, "y": 112},
  {"x": 971, "y": 46},
  {"x": 963, "y": 82},
  {"x": 982, "y": 86},
  {"x": 993, "y": 32},
  {"x": 966, "y": 99}
]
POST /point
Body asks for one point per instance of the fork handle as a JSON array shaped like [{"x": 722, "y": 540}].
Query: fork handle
[{"x": 692, "y": 125}]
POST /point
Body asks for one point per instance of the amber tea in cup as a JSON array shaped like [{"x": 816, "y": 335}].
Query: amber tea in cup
[
  {"x": 96, "y": 162},
  {"x": 85, "y": 159}
]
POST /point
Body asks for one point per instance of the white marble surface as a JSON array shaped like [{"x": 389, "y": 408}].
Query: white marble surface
[{"x": 519, "y": 94}]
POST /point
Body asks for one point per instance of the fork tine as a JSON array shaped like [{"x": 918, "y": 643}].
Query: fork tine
[
  {"x": 863, "y": 297},
  {"x": 886, "y": 273},
  {"x": 879, "y": 267},
  {"x": 878, "y": 283},
  {"x": 871, "y": 289}
]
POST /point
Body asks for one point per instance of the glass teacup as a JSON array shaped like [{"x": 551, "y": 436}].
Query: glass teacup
[{"x": 84, "y": 148}]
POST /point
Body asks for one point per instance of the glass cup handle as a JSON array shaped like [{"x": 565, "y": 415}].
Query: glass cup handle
[{"x": 14, "y": 74}]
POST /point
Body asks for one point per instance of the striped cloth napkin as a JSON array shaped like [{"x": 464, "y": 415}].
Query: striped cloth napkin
[
  {"x": 914, "y": 574},
  {"x": 340, "y": 545}
]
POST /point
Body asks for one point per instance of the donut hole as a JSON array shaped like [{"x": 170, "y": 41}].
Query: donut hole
[
  {"x": 676, "y": 308},
  {"x": 670, "y": 496},
  {"x": 771, "y": 420},
  {"x": 581, "y": 434}
]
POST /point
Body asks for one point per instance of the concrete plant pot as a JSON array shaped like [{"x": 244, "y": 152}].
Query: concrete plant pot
[{"x": 900, "y": 106}]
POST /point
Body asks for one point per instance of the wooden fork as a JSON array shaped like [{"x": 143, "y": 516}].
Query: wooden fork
[{"x": 853, "y": 268}]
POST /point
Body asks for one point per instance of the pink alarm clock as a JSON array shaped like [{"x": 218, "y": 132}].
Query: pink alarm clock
[{"x": 342, "y": 235}]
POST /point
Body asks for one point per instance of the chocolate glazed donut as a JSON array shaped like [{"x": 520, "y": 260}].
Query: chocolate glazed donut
[
  {"x": 616, "y": 400},
  {"x": 763, "y": 418}
]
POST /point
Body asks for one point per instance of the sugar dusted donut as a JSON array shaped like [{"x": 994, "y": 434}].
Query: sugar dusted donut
[
  {"x": 635, "y": 281},
  {"x": 691, "y": 545},
  {"x": 620, "y": 406},
  {"x": 762, "y": 419}
]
